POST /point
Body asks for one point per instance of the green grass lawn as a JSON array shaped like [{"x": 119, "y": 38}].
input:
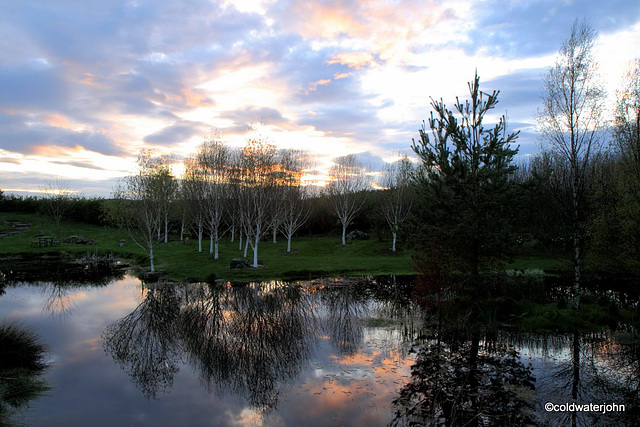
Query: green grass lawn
[{"x": 312, "y": 257}]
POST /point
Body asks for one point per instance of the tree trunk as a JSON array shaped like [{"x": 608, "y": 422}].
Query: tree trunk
[
  {"x": 166, "y": 230},
  {"x": 153, "y": 267},
  {"x": 255, "y": 251},
  {"x": 344, "y": 234},
  {"x": 275, "y": 234},
  {"x": 289, "y": 243},
  {"x": 215, "y": 245},
  {"x": 576, "y": 242},
  {"x": 393, "y": 245}
]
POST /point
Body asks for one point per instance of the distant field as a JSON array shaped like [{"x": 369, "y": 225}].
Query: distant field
[{"x": 312, "y": 257}]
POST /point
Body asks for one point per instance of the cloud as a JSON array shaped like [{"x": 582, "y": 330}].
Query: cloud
[
  {"x": 371, "y": 161},
  {"x": 114, "y": 76},
  {"x": 355, "y": 60},
  {"x": 79, "y": 165},
  {"x": 526, "y": 28},
  {"x": 174, "y": 134},
  {"x": 28, "y": 183},
  {"x": 249, "y": 115},
  {"x": 38, "y": 85},
  {"x": 24, "y": 133}
]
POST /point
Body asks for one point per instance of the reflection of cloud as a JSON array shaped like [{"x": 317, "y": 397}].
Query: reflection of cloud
[{"x": 355, "y": 389}]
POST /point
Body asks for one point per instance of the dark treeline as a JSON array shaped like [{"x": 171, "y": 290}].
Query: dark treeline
[{"x": 82, "y": 209}]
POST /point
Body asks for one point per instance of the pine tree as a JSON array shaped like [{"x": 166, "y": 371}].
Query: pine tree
[{"x": 464, "y": 182}]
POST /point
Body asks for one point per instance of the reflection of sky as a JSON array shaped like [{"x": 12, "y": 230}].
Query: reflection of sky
[
  {"x": 354, "y": 389},
  {"x": 351, "y": 389},
  {"x": 90, "y": 389}
]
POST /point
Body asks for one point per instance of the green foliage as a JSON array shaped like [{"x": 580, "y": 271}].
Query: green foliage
[{"x": 464, "y": 184}]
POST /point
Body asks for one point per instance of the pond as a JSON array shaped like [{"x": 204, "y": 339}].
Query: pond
[
  {"x": 330, "y": 352},
  {"x": 195, "y": 354}
]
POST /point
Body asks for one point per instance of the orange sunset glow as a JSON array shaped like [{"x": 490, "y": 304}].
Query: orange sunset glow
[{"x": 84, "y": 89}]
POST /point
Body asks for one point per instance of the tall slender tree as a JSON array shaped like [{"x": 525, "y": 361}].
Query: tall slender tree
[
  {"x": 214, "y": 158},
  {"x": 346, "y": 190},
  {"x": 57, "y": 201},
  {"x": 194, "y": 189},
  {"x": 627, "y": 135},
  {"x": 138, "y": 204},
  {"x": 571, "y": 125},
  {"x": 292, "y": 206},
  {"x": 396, "y": 201},
  {"x": 167, "y": 188},
  {"x": 257, "y": 184}
]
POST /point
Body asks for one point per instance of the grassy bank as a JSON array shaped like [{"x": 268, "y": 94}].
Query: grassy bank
[{"x": 311, "y": 257}]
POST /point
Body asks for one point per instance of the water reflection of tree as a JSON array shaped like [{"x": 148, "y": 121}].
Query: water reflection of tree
[
  {"x": 59, "y": 280},
  {"x": 598, "y": 369},
  {"x": 202, "y": 330},
  {"x": 271, "y": 336},
  {"x": 344, "y": 307},
  {"x": 145, "y": 342},
  {"x": 249, "y": 340},
  {"x": 255, "y": 339},
  {"x": 464, "y": 384},
  {"x": 464, "y": 375}
]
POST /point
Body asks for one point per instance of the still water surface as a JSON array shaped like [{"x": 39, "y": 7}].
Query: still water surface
[
  {"x": 279, "y": 354},
  {"x": 275, "y": 354}
]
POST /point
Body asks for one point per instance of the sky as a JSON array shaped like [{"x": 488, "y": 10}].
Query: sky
[{"x": 85, "y": 85}]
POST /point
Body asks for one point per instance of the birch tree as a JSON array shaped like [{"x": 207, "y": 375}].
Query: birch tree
[
  {"x": 57, "y": 198},
  {"x": 138, "y": 206},
  {"x": 213, "y": 158},
  {"x": 257, "y": 190},
  {"x": 627, "y": 135},
  {"x": 293, "y": 207},
  {"x": 346, "y": 190},
  {"x": 571, "y": 124},
  {"x": 182, "y": 206},
  {"x": 194, "y": 188},
  {"x": 234, "y": 197},
  {"x": 397, "y": 198},
  {"x": 167, "y": 188}
]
